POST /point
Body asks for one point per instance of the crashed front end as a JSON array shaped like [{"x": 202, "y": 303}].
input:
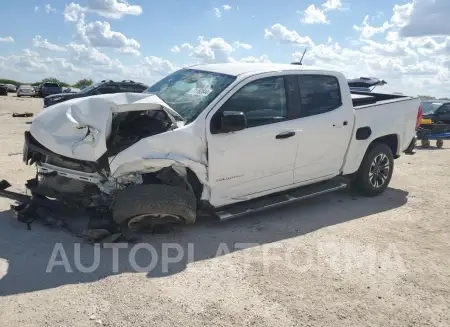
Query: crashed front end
[{"x": 89, "y": 154}]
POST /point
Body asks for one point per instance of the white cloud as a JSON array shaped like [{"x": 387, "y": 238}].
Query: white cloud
[
  {"x": 226, "y": 7},
  {"x": 212, "y": 50},
  {"x": 330, "y": 39},
  {"x": 8, "y": 39},
  {"x": 159, "y": 65},
  {"x": 115, "y": 9},
  {"x": 36, "y": 9},
  {"x": 175, "y": 49},
  {"x": 49, "y": 9},
  {"x": 426, "y": 18},
  {"x": 73, "y": 12},
  {"x": 262, "y": 59},
  {"x": 30, "y": 66},
  {"x": 39, "y": 42},
  {"x": 281, "y": 34},
  {"x": 332, "y": 5},
  {"x": 367, "y": 31},
  {"x": 239, "y": 45},
  {"x": 88, "y": 55},
  {"x": 186, "y": 46},
  {"x": 217, "y": 12},
  {"x": 316, "y": 15},
  {"x": 99, "y": 34}
]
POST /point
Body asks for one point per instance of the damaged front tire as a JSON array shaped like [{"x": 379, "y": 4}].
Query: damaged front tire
[{"x": 154, "y": 204}]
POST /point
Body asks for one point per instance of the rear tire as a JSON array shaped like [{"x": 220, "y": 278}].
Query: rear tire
[
  {"x": 375, "y": 171},
  {"x": 425, "y": 143},
  {"x": 158, "y": 202},
  {"x": 439, "y": 143}
]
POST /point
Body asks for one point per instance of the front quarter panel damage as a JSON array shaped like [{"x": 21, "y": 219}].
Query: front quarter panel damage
[{"x": 178, "y": 149}]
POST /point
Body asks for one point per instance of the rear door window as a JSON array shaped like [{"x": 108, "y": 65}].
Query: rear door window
[{"x": 319, "y": 94}]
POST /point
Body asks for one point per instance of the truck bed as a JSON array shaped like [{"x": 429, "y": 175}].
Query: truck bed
[
  {"x": 381, "y": 114},
  {"x": 366, "y": 98}
]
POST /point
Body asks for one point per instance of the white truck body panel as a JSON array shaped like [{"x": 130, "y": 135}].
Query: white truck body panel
[{"x": 236, "y": 166}]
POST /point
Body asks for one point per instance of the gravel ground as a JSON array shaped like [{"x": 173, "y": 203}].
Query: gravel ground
[{"x": 335, "y": 260}]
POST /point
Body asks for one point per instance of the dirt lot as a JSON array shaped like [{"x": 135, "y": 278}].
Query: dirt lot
[{"x": 336, "y": 260}]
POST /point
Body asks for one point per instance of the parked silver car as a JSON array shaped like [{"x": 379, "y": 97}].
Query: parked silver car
[{"x": 26, "y": 90}]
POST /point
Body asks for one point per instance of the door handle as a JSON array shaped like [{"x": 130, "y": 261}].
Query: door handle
[
  {"x": 285, "y": 135},
  {"x": 344, "y": 123}
]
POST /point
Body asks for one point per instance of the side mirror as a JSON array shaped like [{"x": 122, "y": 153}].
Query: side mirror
[{"x": 232, "y": 121}]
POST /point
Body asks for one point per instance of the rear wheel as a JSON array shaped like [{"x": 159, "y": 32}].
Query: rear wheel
[
  {"x": 154, "y": 204},
  {"x": 439, "y": 143},
  {"x": 425, "y": 143},
  {"x": 375, "y": 171}
]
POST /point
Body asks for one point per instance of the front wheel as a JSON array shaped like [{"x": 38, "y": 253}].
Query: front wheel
[{"x": 375, "y": 171}]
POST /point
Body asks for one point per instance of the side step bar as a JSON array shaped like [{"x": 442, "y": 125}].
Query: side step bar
[{"x": 275, "y": 200}]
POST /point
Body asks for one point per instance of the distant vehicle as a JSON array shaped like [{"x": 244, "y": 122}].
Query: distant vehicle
[
  {"x": 365, "y": 84},
  {"x": 26, "y": 90},
  {"x": 71, "y": 90},
  {"x": 103, "y": 87},
  {"x": 11, "y": 88},
  {"x": 49, "y": 88},
  {"x": 3, "y": 89},
  {"x": 438, "y": 111}
]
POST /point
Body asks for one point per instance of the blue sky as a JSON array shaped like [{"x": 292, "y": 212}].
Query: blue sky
[{"x": 145, "y": 40}]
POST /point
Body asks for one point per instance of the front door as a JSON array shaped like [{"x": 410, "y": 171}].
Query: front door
[{"x": 247, "y": 163}]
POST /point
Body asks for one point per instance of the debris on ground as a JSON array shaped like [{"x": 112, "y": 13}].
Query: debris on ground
[{"x": 25, "y": 114}]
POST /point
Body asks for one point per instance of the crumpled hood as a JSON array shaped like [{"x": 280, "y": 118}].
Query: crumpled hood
[{"x": 78, "y": 128}]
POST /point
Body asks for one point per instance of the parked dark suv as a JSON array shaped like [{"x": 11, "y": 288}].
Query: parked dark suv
[
  {"x": 103, "y": 87},
  {"x": 436, "y": 110}
]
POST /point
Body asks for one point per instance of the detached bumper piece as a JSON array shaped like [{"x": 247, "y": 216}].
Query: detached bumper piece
[
  {"x": 411, "y": 146},
  {"x": 93, "y": 225}
]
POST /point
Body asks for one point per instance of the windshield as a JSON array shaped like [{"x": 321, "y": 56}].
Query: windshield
[
  {"x": 51, "y": 85},
  {"x": 429, "y": 108},
  {"x": 89, "y": 88},
  {"x": 190, "y": 91}
]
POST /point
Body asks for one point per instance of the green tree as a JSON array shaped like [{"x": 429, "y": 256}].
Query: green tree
[
  {"x": 83, "y": 82},
  {"x": 9, "y": 81}
]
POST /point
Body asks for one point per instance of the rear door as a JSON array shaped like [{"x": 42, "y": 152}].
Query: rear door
[
  {"x": 325, "y": 128},
  {"x": 250, "y": 162}
]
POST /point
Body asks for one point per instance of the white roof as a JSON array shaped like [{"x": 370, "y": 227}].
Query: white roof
[{"x": 242, "y": 68}]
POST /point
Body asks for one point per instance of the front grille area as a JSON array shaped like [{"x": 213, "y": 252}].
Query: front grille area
[{"x": 36, "y": 152}]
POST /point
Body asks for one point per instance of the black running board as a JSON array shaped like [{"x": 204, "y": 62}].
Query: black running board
[{"x": 279, "y": 199}]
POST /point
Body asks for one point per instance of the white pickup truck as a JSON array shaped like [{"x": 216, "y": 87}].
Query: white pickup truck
[{"x": 226, "y": 138}]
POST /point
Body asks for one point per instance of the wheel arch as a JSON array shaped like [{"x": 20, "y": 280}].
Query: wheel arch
[{"x": 360, "y": 148}]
